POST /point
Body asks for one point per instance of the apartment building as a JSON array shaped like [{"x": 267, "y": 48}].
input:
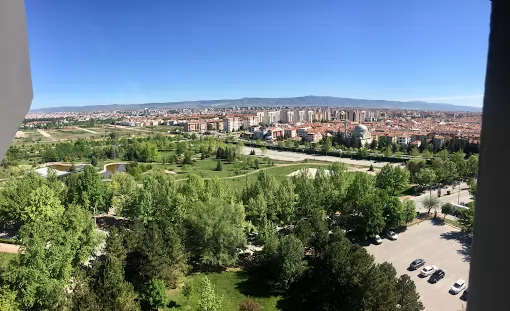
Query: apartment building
[
  {"x": 250, "y": 120},
  {"x": 287, "y": 116},
  {"x": 231, "y": 124}
]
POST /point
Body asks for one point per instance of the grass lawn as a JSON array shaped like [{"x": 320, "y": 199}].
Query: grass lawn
[
  {"x": 234, "y": 286},
  {"x": 5, "y": 258}
]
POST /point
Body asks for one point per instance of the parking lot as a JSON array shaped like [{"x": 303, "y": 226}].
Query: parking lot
[{"x": 441, "y": 246}]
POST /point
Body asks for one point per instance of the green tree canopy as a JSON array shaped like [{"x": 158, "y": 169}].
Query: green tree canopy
[
  {"x": 214, "y": 231},
  {"x": 392, "y": 178}
]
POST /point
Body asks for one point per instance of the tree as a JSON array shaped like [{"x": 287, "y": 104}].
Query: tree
[
  {"x": 363, "y": 153},
  {"x": 393, "y": 211},
  {"x": 43, "y": 204},
  {"x": 283, "y": 259},
  {"x": 408, "y": 298},
  {"x": 388, "y": 152},
  {"x": 327, "y": 144},
  {"x": 124, "y": 187},
  {"x": 392, "y": 178},
  {"x": 93, "y": 161},
  {"x": 115, "y": 292},
  {"x": 284, "y": 202},
  {"x": 88, "y": 190},
  {"x": 426, "y": 177},
  {"x": 215, "y": 230},
  {"x": 415, "y": 152},
  {"x": 446, "y": 209},
  {"x": 187, "y": 290},
  {"x": 472, "y": 166},
  {"x": 188, "y": 157},
  {"x": 15, "y": 197},
  {"x": 430, "y": 202},
  {"x": 219, "y": 166},
  {"x": 415, "y": 166},
  {"x": 373, "y": 144},
  {"x": 155, "y": 251},
  {"x": 8, "y": 300},
  {"x": 467, "y": 218},
  {"x": 409, "y": 211},
  {"x": 155, "y": 294},
  {"x": 39, "y": 276},
  {"x": 208, "y": 299},
  {"x": 341, "y": 267},
  {"x": 250, "y": 305}
]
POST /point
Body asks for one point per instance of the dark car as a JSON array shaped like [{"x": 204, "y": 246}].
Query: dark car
[
  {"x": 416, "y": 264},
  {"x": 464, "y": 295},
  {"x": 436, "y": 276}
]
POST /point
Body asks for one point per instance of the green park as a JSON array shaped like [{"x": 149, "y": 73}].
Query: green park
[{"x": 194, "y": 223}]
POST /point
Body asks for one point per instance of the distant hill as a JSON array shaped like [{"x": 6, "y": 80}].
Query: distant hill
[{"x": 271, "y": 102}]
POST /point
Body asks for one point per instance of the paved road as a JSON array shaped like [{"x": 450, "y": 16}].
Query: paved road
[
  {"x": 87, "y": 130},
  {"x": 295, "y": 157},
  {"x": 440, "y": 245},
  {"x": 46, "y": 134},
  {"x": 9, "y": 248},
  {"x": 454, "y": 198}
]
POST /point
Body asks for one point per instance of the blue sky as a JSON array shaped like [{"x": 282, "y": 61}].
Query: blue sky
[{"x": 122, "y": 52}]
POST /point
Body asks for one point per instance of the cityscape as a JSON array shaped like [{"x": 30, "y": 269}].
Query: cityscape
[{"x": 249, "y": 156}]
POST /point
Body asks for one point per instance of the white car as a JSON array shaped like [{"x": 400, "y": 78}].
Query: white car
[
  {"x": 391, "y": 235},
  {"x": 458, "y": 286},
  {"x": 428, "y": 270},
  {"x": 377, "y": 239}
]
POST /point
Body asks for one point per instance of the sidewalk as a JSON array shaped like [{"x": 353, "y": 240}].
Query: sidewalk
[{"x": 9, "y": 248}]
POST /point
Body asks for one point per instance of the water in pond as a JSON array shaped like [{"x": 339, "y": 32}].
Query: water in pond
[{"x": 113, "y": 168}]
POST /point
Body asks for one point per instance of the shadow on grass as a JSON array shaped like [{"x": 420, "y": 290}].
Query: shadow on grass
[
  {"x": 254, "y": 284},
  {"x": 173, "y": 304},
  {"x": 464, "y": 241}
]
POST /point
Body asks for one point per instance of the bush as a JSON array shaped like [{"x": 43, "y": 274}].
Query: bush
[
  {"x": 155, "y": 294},
  {"x": 249, "y": 305}
]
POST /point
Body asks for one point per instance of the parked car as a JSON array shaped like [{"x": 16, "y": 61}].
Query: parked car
[
  {"x": 428, "y": 270},
  {"x": 377, "y": 239},
  {"x": 436, "y": 276},
  {"x": 464, "y": 295},
  {"x": 457, "y": 287},
  {"x": 391, "y": 235},
  {"x": 417, "y": 263}
]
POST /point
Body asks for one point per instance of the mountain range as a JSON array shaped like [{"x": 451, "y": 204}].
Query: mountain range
[{"x": 310, "y": 101}]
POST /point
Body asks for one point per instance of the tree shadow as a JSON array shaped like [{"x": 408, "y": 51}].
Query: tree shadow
[
  {"x": 254, "y": 284},
  {"x": 172, "y": 304},
  {"x": 437, "y": 222},
  {"x": 107, "y": 222},
  {"x": 464, "y": 240}
]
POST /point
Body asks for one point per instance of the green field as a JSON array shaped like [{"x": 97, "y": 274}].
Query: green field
[{"x": 234, "y": 286}]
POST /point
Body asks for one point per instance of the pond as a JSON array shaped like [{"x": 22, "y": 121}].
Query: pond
[
  {"x": 61, "y": 167},
  {"x": 112, "y": 169}
]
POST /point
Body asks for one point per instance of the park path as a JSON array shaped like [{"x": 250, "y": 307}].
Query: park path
[
  {"x": 276, "y": 165},
  {"x": 9, "y": 248},
  {"x": 46, "y": 134},
  {"x": 295, "y": 157},
  {"x": 87, "y": 130},
  {"x": 131, "y": 128}
]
